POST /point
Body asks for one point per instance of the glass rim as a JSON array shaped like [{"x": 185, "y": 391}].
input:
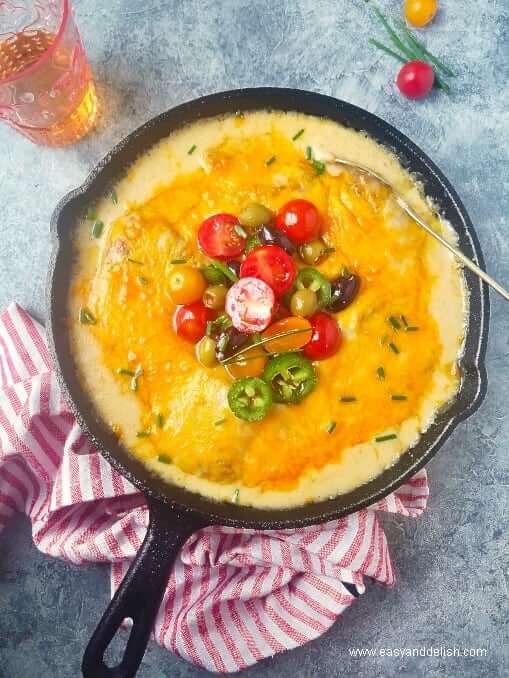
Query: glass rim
[{"x": 47, "y": 53}]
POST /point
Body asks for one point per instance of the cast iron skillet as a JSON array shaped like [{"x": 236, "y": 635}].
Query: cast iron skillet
[{"x": 174, "y": 512}]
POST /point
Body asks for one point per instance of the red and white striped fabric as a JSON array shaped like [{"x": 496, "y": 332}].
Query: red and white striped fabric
[{"x": 235, "y": 596}]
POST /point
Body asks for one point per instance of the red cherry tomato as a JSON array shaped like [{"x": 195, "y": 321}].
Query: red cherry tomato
[
  {"x": 415, "y": 79},
  {"x": 271, "y": 264},
  {"x": 219, "y": 238},
  {"x": 326, "y": 338},
  {"x": 249, "y": 303},
  {"x": 190, "y": 321},
  {"x": 300, "y": 220}
]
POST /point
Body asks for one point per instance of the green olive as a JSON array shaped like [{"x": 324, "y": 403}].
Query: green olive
[
  {"x": 254, "y": 215},
  {"x": 214, "y": 296},
  {"x": 206, "y": 352},
  {"x": 312, "y": 251},
  {"x": 303, "y": 302}
]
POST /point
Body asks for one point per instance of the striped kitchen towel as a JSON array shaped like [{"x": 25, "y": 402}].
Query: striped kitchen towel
[{"x": 234, "y": 596}]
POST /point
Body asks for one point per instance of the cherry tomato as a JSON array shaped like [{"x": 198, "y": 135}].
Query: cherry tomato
[
  {"x": 190, "y": 322},
  {"x": 271, "y": 264},
  {"x": 250, "y": 303},
  {"x": 250, "y": 364},
  {"x": 418, "y": 13},
  {"x": 300, "y": 221},
  {"x": 326, "y": 338},
  {"x": 219, "y": 238},
  {"x": 415, "y": 79},
  {"x": 186, "y": 284},
  {"x": 292, "y": 341}
]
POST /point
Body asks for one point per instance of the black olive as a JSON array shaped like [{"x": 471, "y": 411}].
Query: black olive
[
  {"x": 229, "y": 342},
  {"x": 234, "y": 266},
  {"x": 273, "y": 236},
  {"x": 344, "y": 290}
]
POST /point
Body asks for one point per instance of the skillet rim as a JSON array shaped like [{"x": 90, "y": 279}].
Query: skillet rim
[{"x": 474, "y": 379}]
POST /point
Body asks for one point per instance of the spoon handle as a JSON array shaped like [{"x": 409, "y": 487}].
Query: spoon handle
[
  {"x": 457, "y": 253},
  {"x": 404, "y": 205}
]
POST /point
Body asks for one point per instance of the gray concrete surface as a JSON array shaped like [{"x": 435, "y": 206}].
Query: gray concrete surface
[{"x": 452, "y": 563}]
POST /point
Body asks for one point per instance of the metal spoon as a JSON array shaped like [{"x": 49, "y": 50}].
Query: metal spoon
[{"x": 404, "y": 206}]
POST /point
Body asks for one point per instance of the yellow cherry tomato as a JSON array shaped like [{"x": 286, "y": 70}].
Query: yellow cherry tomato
[
  {"x": 250, "y": 364},
  {"x": 291, "y": 342},
  {"x": 186, "y": 284},
  {"x": 418, "y": 13}
]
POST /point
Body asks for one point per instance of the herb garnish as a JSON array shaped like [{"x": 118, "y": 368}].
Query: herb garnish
[
  {"x": 143, "y": 434},
  {"x": 270, "y": 160},
  {"x": 191, "y": 150},
  {"x": 125, "y": 372},
  {"x": 348, "y": 399},
  {"x": 114, "y": 197},
  {"x": 328, "y": 250},
  {"x": 219, "y": 422},
  {"x": 178, "y": 261},
  {"x": 135, "y": 261},
  {"x": 389, "y": 436},
  {"x": 142, "y": 280},
  {"x": 91, "y": 214},
  {"x": 224, "y": 270},
  {"x": 394, "y": 322},
  {"x": 411, "y": 328},
  {"x": 299, "y": 134},
  {"x": 399, "y": 397},
  {"x": 309, "y": 153},
  {"x": 164, "y": 459},
  {"x": 410, "y": 48},
  {"x": 380, "y": 373},
  {"x": 87, "y": 318},
  {"x": 159, "y": 420},
  {"x": 331, "y": 426},
  {"x": 222, "y": 322},
  {"x": 404, "y": 320},
  {"x": 97, "y": 229},
  {"x": 394, "y": 348}
]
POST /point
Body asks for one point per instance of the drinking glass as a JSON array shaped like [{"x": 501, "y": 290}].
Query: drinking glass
[{"x": 46, "y": 87}]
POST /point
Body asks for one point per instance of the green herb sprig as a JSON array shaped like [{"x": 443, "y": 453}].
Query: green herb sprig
[{"x": 408, "y": 47}]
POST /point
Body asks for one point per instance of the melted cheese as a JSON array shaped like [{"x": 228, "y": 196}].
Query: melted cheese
[{"x": 288, "y": 458}]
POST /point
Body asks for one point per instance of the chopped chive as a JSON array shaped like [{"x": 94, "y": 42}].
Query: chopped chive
[
  {"x": 164, "y": 459},
  {"x": 270, "y": 160},
  {"x": 298, "y": 135},
  {"x": 125, "y": 372},
  {"x": 331, "y": 426},
  {"x": 235, "y": 497},
  {"x": 384, "y": 339},
  {"x": 380, "y": 373},
  {"x": 348, "y": 399},
  {"x": 191, "y": 150},
  {"x": 411, "y": 328},
  {"x": 134, "y": 384},
  {"x": 394, "y": 322},
  {"x": 240, "y": 231},
  {"x": 404, "y": 320},
  {"x": 159, "y": 420},
  {"x": 389, "y": 436},
  {"x": 309, "y": 153},
  {"x": 328, "y": 250},
  {"x": 178, "y": 261},
  {"x": 143, "y": 434},
  {"x": 224, "y": 270},
  {"x": 97, "y": 229},
  {"x": 387, "y": 50},
  {"x": 399, "y": 397},
  {"x": 114, "y": 197},
  {"x": 87, "y": 318},
  {"x": 219, "y": 422},
  {"x": 135, "y": 261},
  {"x": 318, "y": 166},
  {"x": 394, "y": 348},
  {"x": 91, "y": 214},
  {"x": 142, "y": 280}
]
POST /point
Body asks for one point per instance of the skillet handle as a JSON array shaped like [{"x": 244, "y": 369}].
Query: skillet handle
[{"x": 140, "y": 593}]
